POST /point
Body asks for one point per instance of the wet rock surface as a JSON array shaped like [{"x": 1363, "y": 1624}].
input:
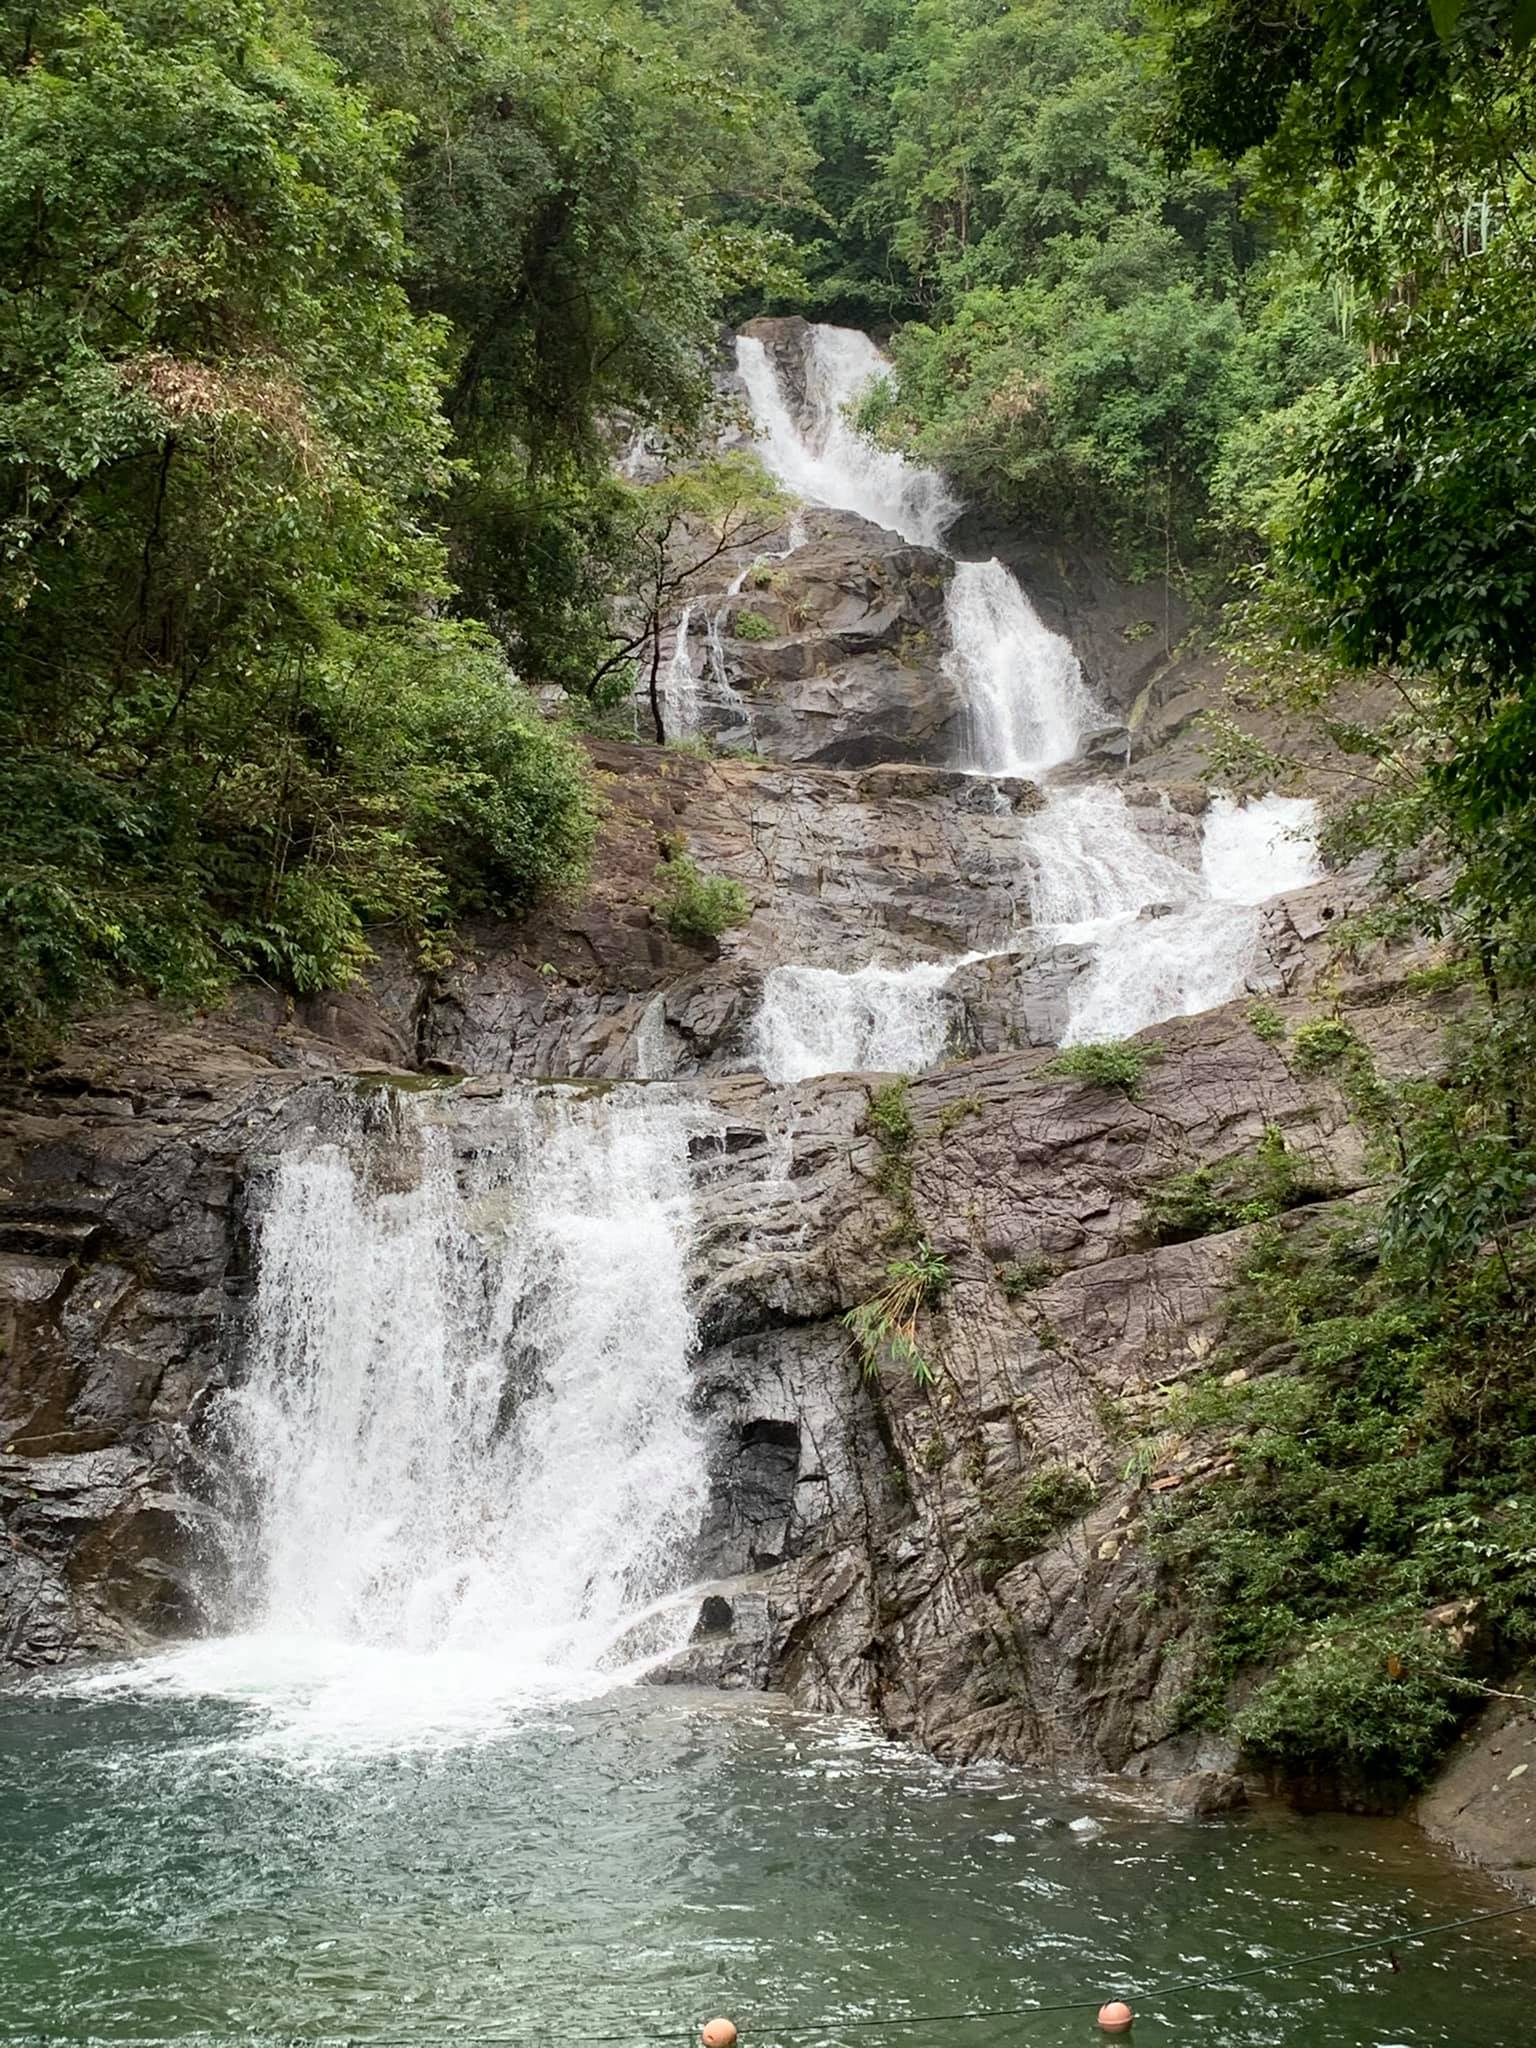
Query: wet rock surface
[
  {"x": 839, "y": 650},
  {"x": 893, "y": 864},
  {"x": 119, "y": 1276}
]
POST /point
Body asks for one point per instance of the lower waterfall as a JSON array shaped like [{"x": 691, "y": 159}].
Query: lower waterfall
[
  {"x": 462, "y": 1445},
  {"x": 465, "y": 1420}
]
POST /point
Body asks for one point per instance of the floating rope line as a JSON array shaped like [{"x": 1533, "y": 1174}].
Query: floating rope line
[{"x": 772, "y": 2025}]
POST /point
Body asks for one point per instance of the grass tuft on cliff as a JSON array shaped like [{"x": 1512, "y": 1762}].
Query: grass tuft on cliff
[
  {"x": 694, "y": 907},
  {"x": 1022, "y": 1515},
  {"x": 1107, "y": 1063}
]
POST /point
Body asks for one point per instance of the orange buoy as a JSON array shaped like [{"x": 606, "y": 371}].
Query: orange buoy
[
  {"x": 718, "y": 2034},
  {"x": 1115, "y": 2018}
]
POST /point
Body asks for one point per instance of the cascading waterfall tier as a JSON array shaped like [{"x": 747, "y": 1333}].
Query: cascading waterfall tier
[
  {"x": 1093, "y": 877},
  {"x": 679, "y": 685},
  {"x": 879, "y": 1020},
  {"x": 465, "y": 1424},
  {"x": 827, "y": 461},
  {"x": 1029, "y": 706},
  {"x": 1027, "y": 703},
  {"x": 1165, "y": 939}
]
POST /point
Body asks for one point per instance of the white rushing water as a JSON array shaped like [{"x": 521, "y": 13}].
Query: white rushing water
[
  {"x": 679, "y": 685},
  {"x": 891, "y": 1020},
  {"x": 1166, "y": 939},
  {"x": 1028, "y": 704},
  {"x": 1095, "y": 878},
  {"x": 464, "y": 1430},
  {"x": 826, "y": 460}
]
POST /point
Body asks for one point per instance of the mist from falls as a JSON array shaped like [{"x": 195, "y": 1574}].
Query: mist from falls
[{"x": 1164, "y": 938}]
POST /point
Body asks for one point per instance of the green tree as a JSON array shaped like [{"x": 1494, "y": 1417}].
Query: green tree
[
  {"x": 1088, "y": 328},
  {"x": 222, "y": 695},
  {"x": 582, "y": 186}
]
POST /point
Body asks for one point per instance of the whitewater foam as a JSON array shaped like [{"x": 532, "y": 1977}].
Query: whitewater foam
[
  {"x": 828, "y": 461},
  {"x": 464, "y": 1431},
  {"x": 1028, "y": 706},
  {"x": 883, "y": 1020},
  {"x": 1167, "y": 939}
]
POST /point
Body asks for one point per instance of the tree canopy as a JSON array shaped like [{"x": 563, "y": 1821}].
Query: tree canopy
[{"x": 315, "y": 331}]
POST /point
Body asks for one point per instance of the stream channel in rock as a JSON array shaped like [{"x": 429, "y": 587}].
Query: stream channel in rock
[{"x": 527, "y": 1450}]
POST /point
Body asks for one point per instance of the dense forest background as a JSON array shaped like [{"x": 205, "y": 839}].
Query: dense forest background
[
  {"x": 320, "y": 327},
  {"x": 321, "y": 330}
]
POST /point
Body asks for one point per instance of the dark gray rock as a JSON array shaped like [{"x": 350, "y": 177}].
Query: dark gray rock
[{"x": 1205, "y": 1794}]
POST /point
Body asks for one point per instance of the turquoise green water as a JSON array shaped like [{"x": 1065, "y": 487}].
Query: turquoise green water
[{"x": 177, "y": 1867}]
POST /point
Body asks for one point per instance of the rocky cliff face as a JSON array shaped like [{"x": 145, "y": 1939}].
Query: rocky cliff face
[
  {"x": 865, "y": 1545},
  {"x": 852, "y": 1530}
]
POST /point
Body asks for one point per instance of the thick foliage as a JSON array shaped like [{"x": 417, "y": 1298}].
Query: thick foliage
[
  {"x": 1091, "y": 328},
  {"x": 1383, "y": 1468},
  {"x": 1381, "y": 1526},
  {"x": 311, "y": 336},
  {"x": 566, "y": 192},
  {"x": 1208, "y": 1199}
]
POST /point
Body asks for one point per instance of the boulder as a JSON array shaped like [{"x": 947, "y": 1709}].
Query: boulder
[{"x": 1205, "y": 1794}]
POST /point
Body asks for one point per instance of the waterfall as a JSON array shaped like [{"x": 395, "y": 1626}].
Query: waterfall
[
  {"x": 465, "y": 1424},
  {"x": 1165, "y": 939},
  {"x": 1090, "y": 867},
  {"x": 680, "y": 687},
  {"x": 830, "y": 462},
  {"x": 1029, "y": 706},
  {"x": 1027, "y": 703},
  {"x": 891, "y": 1020},
  {"x": 650, "y": 1054}
]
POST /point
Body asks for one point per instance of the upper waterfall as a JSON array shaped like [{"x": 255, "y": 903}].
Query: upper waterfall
[
  {"x": 827, "y": 461},
  {"x": 1028, "y": 706}
]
